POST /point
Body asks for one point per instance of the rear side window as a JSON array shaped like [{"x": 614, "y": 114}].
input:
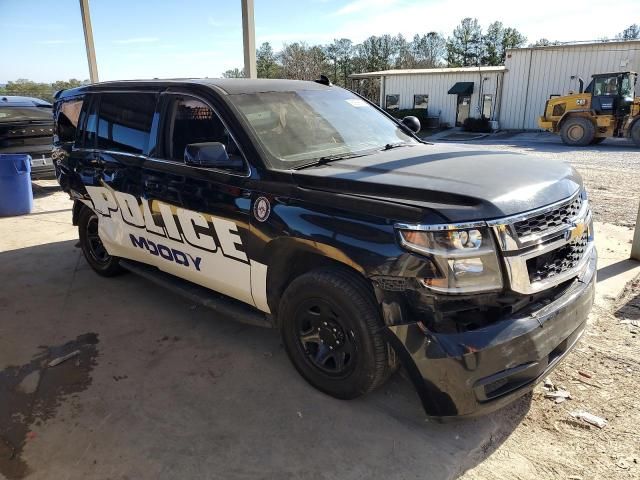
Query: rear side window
[
  {"x": 123, "y": 122},
  {"x": 67, "y": 119}
]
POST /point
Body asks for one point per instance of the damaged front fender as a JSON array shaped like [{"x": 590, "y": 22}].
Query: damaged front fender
[{"x": 481, "y": 370}]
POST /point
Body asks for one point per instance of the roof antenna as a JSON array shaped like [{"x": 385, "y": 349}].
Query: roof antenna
[{"x": 323, "y": 80}]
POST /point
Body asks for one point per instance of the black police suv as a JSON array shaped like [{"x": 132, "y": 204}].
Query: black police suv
[
  {"x": 302, "y": 206},
  {"x": 26, "y": 126}
]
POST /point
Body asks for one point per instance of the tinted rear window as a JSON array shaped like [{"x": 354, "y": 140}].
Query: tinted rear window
[
  {"x": 124, "y": 121},
  {"x": 21, "y": 114}
]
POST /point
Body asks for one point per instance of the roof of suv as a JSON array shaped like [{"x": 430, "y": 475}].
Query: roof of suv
[
  {"x": 224, "y": 85},
  {"x": 17, "y": 101}
]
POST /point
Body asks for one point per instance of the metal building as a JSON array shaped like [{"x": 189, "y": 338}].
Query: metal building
[
  {"x": 515, "y": 94},
  {"x": 536, "y": 73},
  {"x": 453, "y": 94}
]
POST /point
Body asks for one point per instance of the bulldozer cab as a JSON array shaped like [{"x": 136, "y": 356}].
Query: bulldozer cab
[{"x": 612, "y": 93}]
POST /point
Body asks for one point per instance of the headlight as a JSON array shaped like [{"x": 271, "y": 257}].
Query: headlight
[{"x": 465, "y": 257}]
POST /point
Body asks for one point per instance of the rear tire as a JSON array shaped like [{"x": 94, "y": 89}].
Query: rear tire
[
  {"x": 635, "y": 133},
  {"x": 577, "y": 131},
  {"x": 331, "y": 330},
  {"x": 92, "y": 248}
]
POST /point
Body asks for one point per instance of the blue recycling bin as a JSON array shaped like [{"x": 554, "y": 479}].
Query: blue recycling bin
[{"x": 16, "y": 196}]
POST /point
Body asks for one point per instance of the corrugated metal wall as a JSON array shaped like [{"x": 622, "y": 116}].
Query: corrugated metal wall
[
  {"x": 436, "y": 86},
  {"x": 534, "y": 74}
]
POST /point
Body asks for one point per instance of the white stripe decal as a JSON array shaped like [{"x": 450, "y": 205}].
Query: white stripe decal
[{"x": 259, "y": 285}]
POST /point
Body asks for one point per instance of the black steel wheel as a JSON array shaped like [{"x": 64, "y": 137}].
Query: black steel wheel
[
  {"x": 324, "y": 340},
  {"x": 92, "y": 247},
  {"x": 331, "y": 329}
]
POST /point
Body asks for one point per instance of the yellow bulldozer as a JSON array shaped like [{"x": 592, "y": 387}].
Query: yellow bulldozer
[{"x": 606, "y": 108}]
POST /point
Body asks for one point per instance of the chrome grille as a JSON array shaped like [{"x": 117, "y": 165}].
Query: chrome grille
[
  {"x": 548, "y": 221},
  {"x": 548, "y": 246},
  {"x": 557, "y": 261}
]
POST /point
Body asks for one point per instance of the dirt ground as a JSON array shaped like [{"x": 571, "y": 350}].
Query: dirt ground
[{"x": 603, "y": 377}]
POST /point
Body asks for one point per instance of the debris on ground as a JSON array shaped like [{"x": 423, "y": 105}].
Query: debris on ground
[
  {"x": 555, "y": 392},
  {"x": 550, "y": 443},
  {"x": 589, "y": 418},
  {"x": 632, "y": 322},
  {"x": 59, "y": 360},
  {"x": 559, "y": 395}
]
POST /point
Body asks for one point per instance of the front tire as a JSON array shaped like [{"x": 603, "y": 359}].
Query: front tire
[
  {"x": 577, "y": 131},
  {"x": 331, "y": 330},
  {"x": 94, "y": 251}
]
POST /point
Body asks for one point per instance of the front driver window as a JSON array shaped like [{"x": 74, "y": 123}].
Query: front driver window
[
  {"x": 606, "y": 86},
  {"x": 193, "y": 121}
]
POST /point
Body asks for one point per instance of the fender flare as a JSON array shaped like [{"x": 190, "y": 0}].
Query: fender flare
[
  {"x": 582, "y": 110},
  {"x": 282, "y": 258}
]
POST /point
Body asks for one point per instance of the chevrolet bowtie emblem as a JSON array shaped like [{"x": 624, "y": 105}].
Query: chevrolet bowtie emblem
[{"x": 575, "y": 232}]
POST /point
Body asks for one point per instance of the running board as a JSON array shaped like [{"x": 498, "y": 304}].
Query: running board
[{"x": 225, "y": 306}]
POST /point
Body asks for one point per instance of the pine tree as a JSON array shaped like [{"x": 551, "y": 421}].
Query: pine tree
[
  {"x": 632, "y": 32},
  {"x": 266, "y": 64},
  {"x": 464, "y": 47}
]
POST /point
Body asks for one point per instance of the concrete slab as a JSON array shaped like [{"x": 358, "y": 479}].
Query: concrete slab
[
  {"x": 163, "y": 389},
  {"x": 615, "y": 267}
]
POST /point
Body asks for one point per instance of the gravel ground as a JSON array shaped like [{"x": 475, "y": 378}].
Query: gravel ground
[{"x": 611, "y": 171}]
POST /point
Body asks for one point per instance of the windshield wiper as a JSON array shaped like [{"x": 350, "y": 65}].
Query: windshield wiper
[
  {"x": 390, "y": 146},
  {"x": 328, "y": 159}
]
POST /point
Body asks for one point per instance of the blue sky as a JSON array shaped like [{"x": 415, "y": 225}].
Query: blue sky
[{"x": 42, "y": 39}]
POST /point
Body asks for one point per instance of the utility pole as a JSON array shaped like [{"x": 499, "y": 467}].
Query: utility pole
[
  {"x": 88, "y": 41},
  {"x": 249, "y": 39},
  {"x": 635, "y": 245}
]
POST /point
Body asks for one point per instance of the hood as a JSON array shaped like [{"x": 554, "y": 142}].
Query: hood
[{"x": 458, "y": 183}]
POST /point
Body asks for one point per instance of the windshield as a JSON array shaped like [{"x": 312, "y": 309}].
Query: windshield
[
  {"x": 297, "y": 127},
  {"x": 22, "y": 114}
]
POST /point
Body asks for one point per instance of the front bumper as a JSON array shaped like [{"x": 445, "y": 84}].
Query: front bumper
[{"x": 479, "y": 371}]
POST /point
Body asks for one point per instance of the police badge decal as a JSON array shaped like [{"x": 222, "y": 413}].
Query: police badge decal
[{"x": 261, "y": 209}]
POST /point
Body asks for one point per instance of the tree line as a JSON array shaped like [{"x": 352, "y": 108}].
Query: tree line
[
  {"x": 44, "y": 91},
  {"x": 468, "y": 45}
]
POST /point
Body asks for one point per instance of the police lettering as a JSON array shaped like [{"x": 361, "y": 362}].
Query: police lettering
[
  {"x": 171, "y": 254},
  {"x": 185, "y": 226}
]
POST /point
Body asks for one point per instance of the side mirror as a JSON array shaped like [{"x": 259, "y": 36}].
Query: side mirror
[
  {"x": 412, "y": 123},
  {"x": 210, "y": 154}
]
